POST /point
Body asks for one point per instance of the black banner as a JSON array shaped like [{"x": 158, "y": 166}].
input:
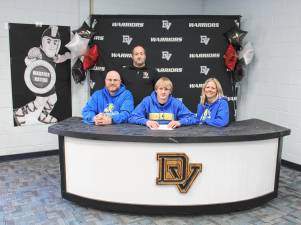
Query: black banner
[
  {"x": 40, "y": 72},
  {"x": 187, "y": 49}
]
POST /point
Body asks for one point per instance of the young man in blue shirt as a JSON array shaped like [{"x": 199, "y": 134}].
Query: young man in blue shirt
[{"x": 161, "y": 108}]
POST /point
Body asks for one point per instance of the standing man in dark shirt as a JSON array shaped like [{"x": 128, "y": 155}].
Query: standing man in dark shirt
[{"x": 138, "y": 78}]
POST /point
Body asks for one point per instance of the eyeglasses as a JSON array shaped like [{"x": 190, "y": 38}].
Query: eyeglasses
[{"x": 112, "y": 80}]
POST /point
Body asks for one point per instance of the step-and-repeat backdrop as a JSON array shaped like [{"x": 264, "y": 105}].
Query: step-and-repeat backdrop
[{"x": 187, "y": 49}]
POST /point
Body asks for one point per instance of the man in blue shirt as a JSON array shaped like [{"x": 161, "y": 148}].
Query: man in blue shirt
[
  {"x": 110, "y": 105},
  {"x": 162, "y": 108}
]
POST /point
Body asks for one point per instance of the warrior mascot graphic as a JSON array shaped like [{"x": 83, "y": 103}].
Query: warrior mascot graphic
[{"x": 40, "y": 78}]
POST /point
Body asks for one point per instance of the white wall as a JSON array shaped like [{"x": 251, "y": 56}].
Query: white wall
[
  {"x": 159, "y": 7},
  {"x": 14, "y": 140},
  {"x": 271, "y": 89}
]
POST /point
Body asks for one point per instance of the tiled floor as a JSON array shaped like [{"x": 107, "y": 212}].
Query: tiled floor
[{"x": 30, "y": 195}]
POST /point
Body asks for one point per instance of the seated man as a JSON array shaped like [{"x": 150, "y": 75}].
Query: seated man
[
  {"x": 161, "y": 108},
  {"x": 110, "y": 105}
]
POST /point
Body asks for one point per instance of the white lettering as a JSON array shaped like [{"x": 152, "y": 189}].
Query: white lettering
[
  {"x": 166, "y": 39},
  {"x": 166, "y": 55},
  {"x": 166, "y": 24},
  {"x": 98, "y": 38},
  {"x": 232, "y": 98},
  {"x": 170, "y": 70},
  {"x": 124, "y": 24},
  {"x": 204, "y": 55},
  {"x": 41, "y": 79},
  {"x": 127, "y": 39},
  {"x": 204, "y": 39},
  {"x": 197, "y": 85},
  {"x": 40, "y": 73},
  {"x": 203, "y": 25},
  {"x": 204, "y": 70},
  {"x": 121, "y": 55},
  {"x": 99, "y": 68}
]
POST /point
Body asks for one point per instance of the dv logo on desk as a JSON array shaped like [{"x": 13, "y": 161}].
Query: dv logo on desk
[{"x": 174, "y": 168}]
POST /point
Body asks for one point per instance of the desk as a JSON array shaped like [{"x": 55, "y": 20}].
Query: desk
[{"x": 115, "y": 167}]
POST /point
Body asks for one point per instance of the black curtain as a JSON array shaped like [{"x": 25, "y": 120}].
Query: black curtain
[{"x": 187, "y": 49}]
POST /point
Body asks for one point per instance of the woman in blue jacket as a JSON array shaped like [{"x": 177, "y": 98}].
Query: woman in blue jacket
[
  {"x": 213, "y": 109},
  {"x": 161, "y": 108}
]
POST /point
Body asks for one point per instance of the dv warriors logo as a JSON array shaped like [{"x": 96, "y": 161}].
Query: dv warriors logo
[{"x": 174, "y": 168}]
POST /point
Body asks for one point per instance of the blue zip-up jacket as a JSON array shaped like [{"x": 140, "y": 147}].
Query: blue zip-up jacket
[
  {"x": 151, "y": 109},
  {"x": 118, "y": 107},
  {"x": 215, "y": 114}
]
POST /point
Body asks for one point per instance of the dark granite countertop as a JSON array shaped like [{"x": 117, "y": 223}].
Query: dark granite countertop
[{"x": 246, "y": 130}]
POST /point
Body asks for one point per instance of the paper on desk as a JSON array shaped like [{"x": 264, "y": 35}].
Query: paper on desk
[{"x": 163, "y": 127}]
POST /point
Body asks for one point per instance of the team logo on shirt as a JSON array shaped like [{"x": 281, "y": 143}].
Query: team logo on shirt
[
  {"x": 206, "y": 114},
  {"x": 145, "y": 75},
  {"x": 109, "y": 108},
  {"x": 174, "y": 168}
]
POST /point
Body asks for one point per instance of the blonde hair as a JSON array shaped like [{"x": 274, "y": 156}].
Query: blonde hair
[
  {"x": 219, "y": 89},
  {"x": 165, "y": 82}
]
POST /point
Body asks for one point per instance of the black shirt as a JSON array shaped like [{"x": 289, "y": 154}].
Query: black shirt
[{"x": 140, "y": 81}]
